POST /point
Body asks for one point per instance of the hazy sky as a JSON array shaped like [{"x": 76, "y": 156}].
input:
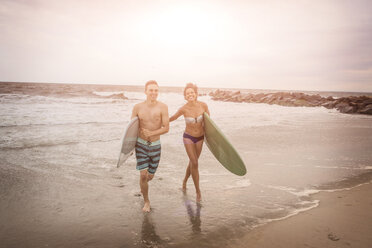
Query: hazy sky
[{"x": 257, "y": 44}]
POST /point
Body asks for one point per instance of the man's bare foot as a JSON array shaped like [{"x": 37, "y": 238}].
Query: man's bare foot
[
  {"x": 146, "y": 207},
  {"x": 184, "y": 187},
  {"x": 198, "y": 197}
]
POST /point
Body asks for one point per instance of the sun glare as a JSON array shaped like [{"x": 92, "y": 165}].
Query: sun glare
[{"x": 186, "y": 26}]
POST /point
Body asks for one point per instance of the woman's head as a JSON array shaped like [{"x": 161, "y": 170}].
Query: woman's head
[{"x": 191, "y": 92}]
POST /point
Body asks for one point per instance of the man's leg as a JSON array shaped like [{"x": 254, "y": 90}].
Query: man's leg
[
  {"x": 145, "y": 189},
  {"x": 150, "y": 177}
]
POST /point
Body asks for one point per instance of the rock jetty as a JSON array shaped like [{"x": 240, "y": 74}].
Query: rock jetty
[{"x": 349, "y": 105}]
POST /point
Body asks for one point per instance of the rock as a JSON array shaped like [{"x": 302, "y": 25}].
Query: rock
[
  {"x": 214, "y": 93},
  {"x": 277, "y": 102},
  {"x": 301, "y": 103},
  {"x": 344, "y": 107},
  {"x": 351, "y": 104},
  {"x": 247, "y": 98},
  {"x": 317, "y": 103},
  {"x": 349, "y": 110},
  {"x": 240, "y": 98},
  {"x": 117, "y": 96},
  {"x": 267, "y": 98},
  {"x": 258, "y": 97},
  {"x": 315, "y": 100},
  {"x": 367, "y": 110},
  {"x": 236, "y": 93},
  {"x": 288, "y": 101},
  {"x": 333, "y": 237},
  {"x": 329, "y": 105},
  {"x": 341, "y": 105},
  {"x": 318, "y": 97},
  {"x": 299, "y": 95},
  {"x": 236, "y": 98}
]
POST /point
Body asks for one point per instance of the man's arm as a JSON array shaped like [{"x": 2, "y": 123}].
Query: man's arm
[{"x": 134, "y": 111}]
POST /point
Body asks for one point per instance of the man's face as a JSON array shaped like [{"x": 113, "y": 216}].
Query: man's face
[{"x": 152, "y": 92}]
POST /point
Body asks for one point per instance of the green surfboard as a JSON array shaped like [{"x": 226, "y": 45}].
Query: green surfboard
[{"x": 222, "y": 149}]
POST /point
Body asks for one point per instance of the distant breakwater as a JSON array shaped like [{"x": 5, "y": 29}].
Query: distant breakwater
[{"x": 349, "y": 105}]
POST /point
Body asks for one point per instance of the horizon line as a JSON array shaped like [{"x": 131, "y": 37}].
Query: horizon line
[{"x": 203, "y": 87}]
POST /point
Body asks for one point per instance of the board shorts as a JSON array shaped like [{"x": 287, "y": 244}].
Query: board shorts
[{"x": 147, "y": 155}]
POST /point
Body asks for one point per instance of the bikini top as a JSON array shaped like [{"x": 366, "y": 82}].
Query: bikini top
[{"x": 194, "y": 120}]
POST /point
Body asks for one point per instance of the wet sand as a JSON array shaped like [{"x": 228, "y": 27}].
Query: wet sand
[
  {"x": 38, "y": 210},
  {"x": 342, "y": 219}
]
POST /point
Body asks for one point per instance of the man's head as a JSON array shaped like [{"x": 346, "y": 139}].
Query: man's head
[{"x": 152, "y": 90}]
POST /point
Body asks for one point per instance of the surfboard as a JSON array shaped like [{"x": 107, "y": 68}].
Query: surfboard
[
  {"x": 222, "y": 149},
  {"x": 129, "y": 141}
]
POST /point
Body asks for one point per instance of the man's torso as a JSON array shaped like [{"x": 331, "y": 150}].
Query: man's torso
[{"x": 150, "y": 118}]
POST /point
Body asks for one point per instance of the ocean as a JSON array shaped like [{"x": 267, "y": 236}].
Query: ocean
[{"x": 59, "y": 185}]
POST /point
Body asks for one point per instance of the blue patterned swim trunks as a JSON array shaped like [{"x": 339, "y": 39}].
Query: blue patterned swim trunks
[{"x": 148, "y": 155}]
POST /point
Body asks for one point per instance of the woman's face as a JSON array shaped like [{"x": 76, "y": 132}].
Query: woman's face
[{"x": 190, "y": 95}]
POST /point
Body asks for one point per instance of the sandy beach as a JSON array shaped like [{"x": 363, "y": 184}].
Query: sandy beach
[
  {"x": 59, "y": 185},
  {"x": 76, "y": 217},
  {"x": 342, "y": 219}
]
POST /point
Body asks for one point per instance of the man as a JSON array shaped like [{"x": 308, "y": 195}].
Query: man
[{"x": 153, "y": 122}]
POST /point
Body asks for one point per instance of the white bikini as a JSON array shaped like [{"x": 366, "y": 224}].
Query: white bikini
[
  {"x": 190, "y": 137},
  {"x": 194, "y": 120}
]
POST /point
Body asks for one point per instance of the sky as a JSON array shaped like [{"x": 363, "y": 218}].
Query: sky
[{"x": 323, "y": 45}]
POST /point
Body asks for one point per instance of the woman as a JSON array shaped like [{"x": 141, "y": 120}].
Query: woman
[{"x": 193, "y": 136}]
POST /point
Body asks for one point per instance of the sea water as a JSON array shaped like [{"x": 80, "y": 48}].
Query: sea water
[{"x": 59, "y": 149}]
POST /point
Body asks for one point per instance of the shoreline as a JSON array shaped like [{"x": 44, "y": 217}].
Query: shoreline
[
  {"x": 342, "y": 219},
  {"x": 342, "y": 215}
]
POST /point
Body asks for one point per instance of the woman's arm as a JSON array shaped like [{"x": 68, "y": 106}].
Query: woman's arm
[
  {"x": 176, "y": 115},
  {"x": 205, "y": 106}
]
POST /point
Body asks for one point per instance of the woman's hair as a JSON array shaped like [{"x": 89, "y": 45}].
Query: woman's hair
[{"x": 191, "y": 86}]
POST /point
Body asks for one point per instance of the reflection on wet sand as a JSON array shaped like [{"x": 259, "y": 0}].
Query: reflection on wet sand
[
  {"x": 193, "y": 215},
  {"x": 149, "y": 238}
]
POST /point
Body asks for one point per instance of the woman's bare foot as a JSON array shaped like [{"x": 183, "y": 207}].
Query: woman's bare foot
[
  {"x": 198, "y": 197},
  {"x": 146, "y": 207},
  {"x": 184, "y": 186}
]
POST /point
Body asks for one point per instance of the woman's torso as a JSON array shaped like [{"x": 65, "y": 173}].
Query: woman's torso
[{"x": 194, "y": 119}]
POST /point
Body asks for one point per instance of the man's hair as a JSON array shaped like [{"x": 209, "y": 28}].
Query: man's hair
[
  {"x": 191, "y": 86},
  {"x": 150, "y": 82}
]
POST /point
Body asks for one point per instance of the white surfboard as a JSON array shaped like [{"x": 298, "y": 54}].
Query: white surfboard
[{"x": 129, "y": 141}]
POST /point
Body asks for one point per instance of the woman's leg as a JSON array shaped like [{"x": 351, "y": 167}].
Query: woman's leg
[
  {"x": 199, "y": 147},
  {"x": 187, "y": 175},
  {"x": 193, "y": 151}
]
